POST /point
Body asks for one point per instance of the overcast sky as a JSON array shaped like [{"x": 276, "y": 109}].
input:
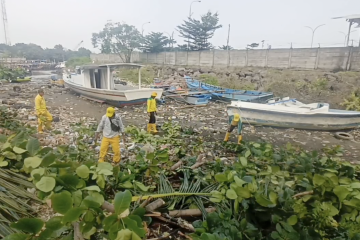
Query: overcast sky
[{"x": 278, "y": 22}]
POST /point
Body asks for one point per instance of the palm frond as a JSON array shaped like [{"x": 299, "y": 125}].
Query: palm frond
[
  {"x": 188, "y": 190},
  {"x": 14, "y": 200}
]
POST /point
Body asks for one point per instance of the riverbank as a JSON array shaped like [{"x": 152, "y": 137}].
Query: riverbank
[{"x": 209, "y": 121}]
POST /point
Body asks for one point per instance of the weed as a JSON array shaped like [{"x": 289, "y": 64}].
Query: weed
[
  {"x": 320, "y": 84},
  {"x": 131, "y": 75},
  {"x": 352, "y": 102},
  {"x": 209, "y": 79}
]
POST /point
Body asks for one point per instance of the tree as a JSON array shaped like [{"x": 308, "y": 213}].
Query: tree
[
  {"x": 155, "y": 42},
  {"x": 252, "y": 46},
  {"x": 182, "y": 47},
  {"x": 224, "y": 47},
  {"x": 36, "y": 52},
  {"x": 198, "y": 32},
  {"x": 119, "y": 38}
]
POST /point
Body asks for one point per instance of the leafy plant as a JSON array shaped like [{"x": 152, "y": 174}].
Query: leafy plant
[
  {"x": 352, "y": 102},
  {"x": 209, "y": 79}
]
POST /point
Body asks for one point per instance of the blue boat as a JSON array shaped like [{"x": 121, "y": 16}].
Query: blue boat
[{"x": 228, "y": 95}]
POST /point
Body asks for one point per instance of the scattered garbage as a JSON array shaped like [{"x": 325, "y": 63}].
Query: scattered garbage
[{"x": 209, "y": 122}]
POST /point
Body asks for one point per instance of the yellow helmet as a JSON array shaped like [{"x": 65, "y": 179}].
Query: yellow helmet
[
  {"x": 154, "y": 94},
  {"x": 110, "y": 111},
  {"x": 236, "y": 117}
]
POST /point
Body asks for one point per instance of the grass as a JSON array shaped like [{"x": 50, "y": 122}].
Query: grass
[
  {"x": 131, "y": 75},
  {"x": 209, "y": 79}
]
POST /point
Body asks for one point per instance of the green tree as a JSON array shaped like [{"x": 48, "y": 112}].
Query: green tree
[
  {"x": 225, "y": 47},
  {"x": 36, "y": 52},
  {"x": 198, "y": 32},
  {"x": 156, "y": 42},
  {"x": 118, "y": 38},
  {"x": 77, "y": 61}
]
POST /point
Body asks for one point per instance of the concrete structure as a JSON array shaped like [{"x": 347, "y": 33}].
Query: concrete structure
[{"x": 346, "y": 58}]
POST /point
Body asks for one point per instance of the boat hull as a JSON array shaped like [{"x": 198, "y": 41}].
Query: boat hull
[
  {"x": 332, "y": 121},
  {"x": 228, "y": 95},
  {"x": 192, "y": 99},
  {"x": 241, "y": 97},
  {"x": 115, "y": 98}
]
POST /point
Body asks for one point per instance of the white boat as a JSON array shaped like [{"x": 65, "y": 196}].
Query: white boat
[
  {"x": 97, "y": 82},
  {"x": 290, "y": 113}
]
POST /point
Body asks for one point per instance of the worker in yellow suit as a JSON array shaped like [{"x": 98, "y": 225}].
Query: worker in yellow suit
[
  {"x": 110, "y": 126},
  {"x": 234, "y": 121},
  {"x": 151, "y": 109},
  {"x": 44, "y": 117}
]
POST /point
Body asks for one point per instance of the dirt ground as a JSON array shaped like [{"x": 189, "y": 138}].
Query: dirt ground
[{"x": 209, "y": 121}]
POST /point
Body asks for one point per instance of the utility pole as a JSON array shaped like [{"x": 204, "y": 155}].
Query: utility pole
[
  {"x": 5, "y": 22},
  {"x": 228, "y": 39},
  {"x": 313, "y": 32}
]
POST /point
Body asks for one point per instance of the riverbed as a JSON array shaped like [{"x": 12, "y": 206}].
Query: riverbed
[{"x": 209, "y": 121}]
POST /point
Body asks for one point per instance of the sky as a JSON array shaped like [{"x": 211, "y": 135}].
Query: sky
[{"x": 279, "y": 23}]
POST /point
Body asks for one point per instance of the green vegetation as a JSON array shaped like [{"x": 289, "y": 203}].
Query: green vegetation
[
  {"x": 156, "y": 42},
  {"x": 123, "y": 39},
  {"x": 353, "y": 101},
  {"x": 131, "y": 75},
  {"x": 35, "y": 52},
  {"x": 209, "y": 79},
  {"x": 196, "y": 33},
  {"x": 10, "y": 74},
  {"x": 258, "y": 192},
  {"x": 320, "y": 84},
  {"x": 78, "y": 61}
]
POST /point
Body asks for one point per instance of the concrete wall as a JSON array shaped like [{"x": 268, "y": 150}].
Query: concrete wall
[{"x": 347, "y": 58}]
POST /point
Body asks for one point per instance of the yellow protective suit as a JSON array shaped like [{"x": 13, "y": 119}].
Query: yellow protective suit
[
  {"x": 151, "y": 105},
  {"x": 151, "y": 109},
  {"x": 115, "y": 145},
  {"x": 44, "y": 117}
]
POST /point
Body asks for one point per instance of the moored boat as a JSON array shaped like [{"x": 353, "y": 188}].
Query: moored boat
[
  {"x": 294, "y": 114},
  {"x": 20, "y": 80},
  {"x": 189, "y": 97},
  {"x": 97, "y": 82},
  {"x": 227, "y": 94}
]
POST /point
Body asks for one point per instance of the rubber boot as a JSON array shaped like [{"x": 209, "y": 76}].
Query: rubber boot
[
  {"x": 154, "y": 128},
  {"x": 40, "y": 128},
  {"x": 48, "y": 126},
  {"x": 239, "y": 139},
  {"x": 149, "y": 127},
  {"x": 227, "y": 137}
]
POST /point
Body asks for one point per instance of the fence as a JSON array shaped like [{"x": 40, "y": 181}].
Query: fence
[{"x": 346, "y": 58}]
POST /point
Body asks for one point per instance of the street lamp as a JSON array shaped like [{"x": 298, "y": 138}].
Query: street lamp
[
  {"x": 191, "y": 6},
  {"x": 171, "y": 38},
  {"x": 198, "y": 1},
  {"x": 346, "y": 35},
  {"x": 313, "y": 32},
  {"x": 142, "y": 28}
]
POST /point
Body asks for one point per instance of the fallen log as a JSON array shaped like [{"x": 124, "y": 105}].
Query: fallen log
[
  {"x": 190, "y": 212},
  {"x": 155, "y": 205},
  {"x": 77, "y": 232},
  {"x": 176, "y": 165}
]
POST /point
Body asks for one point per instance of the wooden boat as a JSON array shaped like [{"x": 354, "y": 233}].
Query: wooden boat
[
  {"x": 96, "y": 82},
  {"x": 193, "y": 98},
  {"x": 291, "y": 113},
  {"x": 227, "y": 94},
  {"x": 21, "y": 80}
]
